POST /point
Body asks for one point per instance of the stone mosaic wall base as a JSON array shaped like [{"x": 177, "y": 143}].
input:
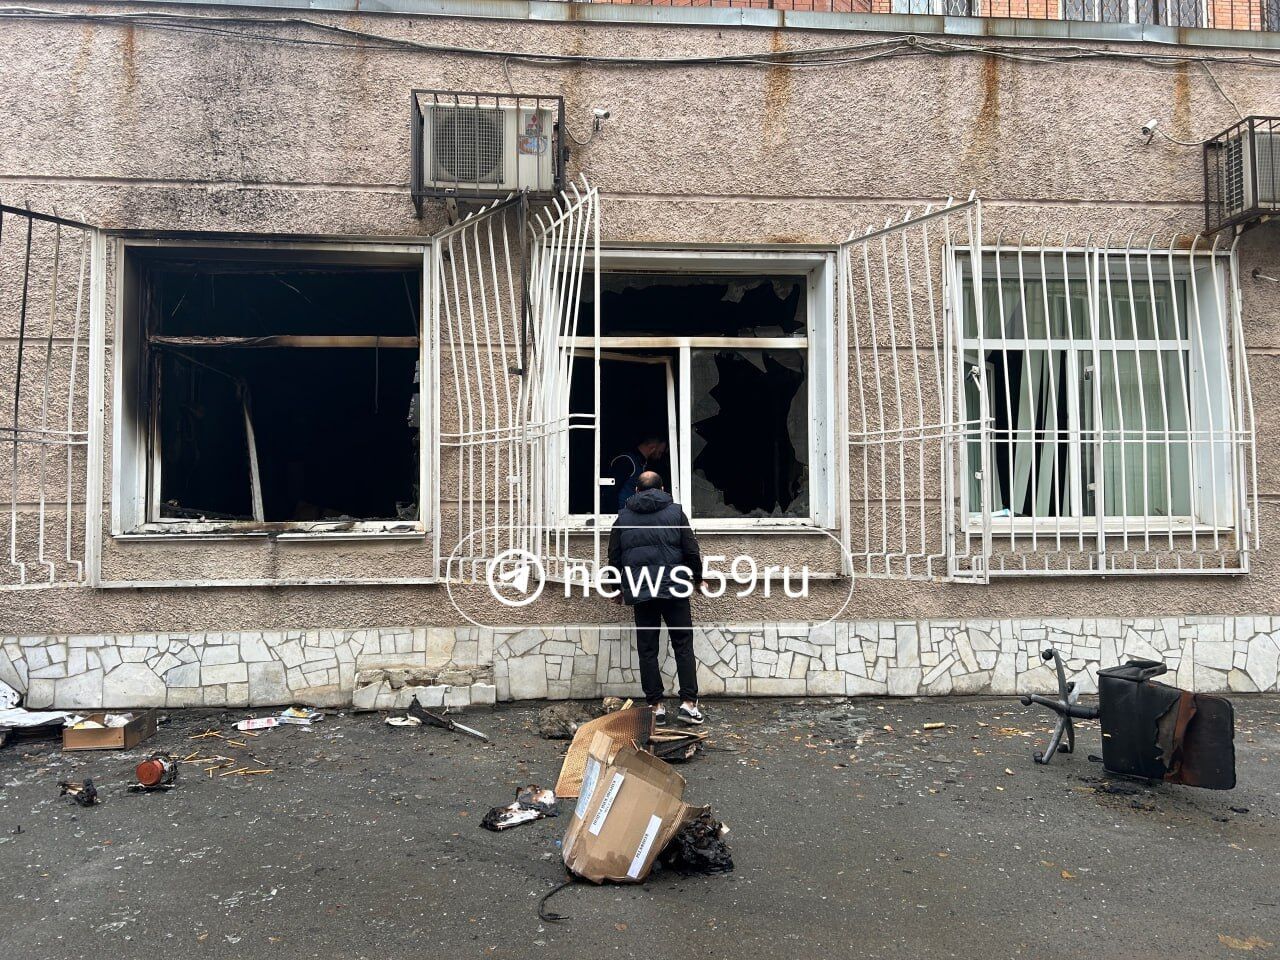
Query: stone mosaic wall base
[
  {"x": 895, "y": 658},
  {"x": 314, "y": 667},
  {"x": 382, "y": 669}
]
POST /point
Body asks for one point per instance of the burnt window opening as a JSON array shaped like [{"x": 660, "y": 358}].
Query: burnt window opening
[
  {"x": 697, "y": 305},
  {"x": 746, "y": 408},
  {"x": 280, "y": 391}
]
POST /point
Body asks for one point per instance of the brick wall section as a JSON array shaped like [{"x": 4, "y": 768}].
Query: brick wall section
[
  {"x": 1235, "y": 15},
  {"x": 1221, "y": 14}
]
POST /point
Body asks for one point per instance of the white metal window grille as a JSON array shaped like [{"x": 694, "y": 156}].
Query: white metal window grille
[
  {"x": 1114, "y": 420},
  {"x": 565, "y": 248},
  {"x": 51, "y": 294},
  {"x": 900, "y": 395},
  {"x": 505, "y": 296}
]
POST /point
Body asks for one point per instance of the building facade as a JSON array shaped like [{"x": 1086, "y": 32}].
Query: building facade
[{"x": 306, "y": 329}]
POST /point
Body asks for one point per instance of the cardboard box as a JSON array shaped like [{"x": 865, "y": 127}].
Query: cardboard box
[
  {"x": 629, "y": 809},
  {"x": 142, "y": 726}
]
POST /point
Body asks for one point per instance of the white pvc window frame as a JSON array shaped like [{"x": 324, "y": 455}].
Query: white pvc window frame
[
  {"x": 1204, "y": 390},
  {"x": 1214, "y": 392},
  {"x": 817, "y": 266},
  {"x": 135, "y": 463}
]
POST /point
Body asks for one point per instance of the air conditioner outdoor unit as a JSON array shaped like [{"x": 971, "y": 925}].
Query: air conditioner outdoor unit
[
  {"x": 1242, "y": 173},
  {"x": 486, "y": 145}
]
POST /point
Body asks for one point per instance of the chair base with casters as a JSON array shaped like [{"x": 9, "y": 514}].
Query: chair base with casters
[{"x": 1066, "y": 707}]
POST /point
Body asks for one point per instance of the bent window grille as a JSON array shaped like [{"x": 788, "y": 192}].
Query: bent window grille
[
  {"x": 900, "y": 395},
  {"x": 1110, "y": 391},
  {"x": 504, "y": 295},
  {"x": 51, "y": 294}
]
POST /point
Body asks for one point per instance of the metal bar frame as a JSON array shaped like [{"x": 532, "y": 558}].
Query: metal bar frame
[
  {"x": 37, "y": 269},
  {"x": 900, "y": 315},
  {"x": 1210, "y": 396}
]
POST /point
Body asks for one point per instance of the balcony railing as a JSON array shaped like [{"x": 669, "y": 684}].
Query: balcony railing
[{"x": 1210, "y": 14}]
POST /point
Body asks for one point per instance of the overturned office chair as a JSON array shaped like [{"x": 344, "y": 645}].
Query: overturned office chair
[{"x": 1149, "y": 729}]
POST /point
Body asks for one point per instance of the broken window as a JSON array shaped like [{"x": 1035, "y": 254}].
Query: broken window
[
  {"x": 281, "y": 389},
  {"x": 717, "y": 364},
  {"x": 750, "y": 442}
]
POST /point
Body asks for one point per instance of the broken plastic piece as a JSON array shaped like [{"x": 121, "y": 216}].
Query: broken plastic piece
[
  {"x": 301, "y": 715},
  {"x": 531, "y": 803},
  {"x": 258, "y": 723},
  {"x": 405, "y": 721},
  {"x": 534, "y": 797}
]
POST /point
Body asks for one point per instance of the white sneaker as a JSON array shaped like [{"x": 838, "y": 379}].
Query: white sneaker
[
  {"x": 659, "y": 714},
  {"x": 690, "y": 715}
]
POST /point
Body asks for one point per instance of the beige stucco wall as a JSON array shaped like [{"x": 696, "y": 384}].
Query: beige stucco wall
[{"x": 139, "y": 129}]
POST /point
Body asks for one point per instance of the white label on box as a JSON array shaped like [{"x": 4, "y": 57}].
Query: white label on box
[
  {"x": 597, "y": 822},
  {"x": 642, "y": 852},
  {"x": 589, "y": 777}
]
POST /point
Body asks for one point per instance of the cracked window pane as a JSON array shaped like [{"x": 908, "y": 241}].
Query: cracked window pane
[{"x": 750, "y": 433}]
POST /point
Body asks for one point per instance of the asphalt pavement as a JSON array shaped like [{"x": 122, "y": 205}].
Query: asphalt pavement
[{"x": 856, "y": 832}]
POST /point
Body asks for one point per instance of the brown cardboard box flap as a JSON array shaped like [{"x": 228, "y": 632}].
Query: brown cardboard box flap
[{"x": 629, "y": 809}]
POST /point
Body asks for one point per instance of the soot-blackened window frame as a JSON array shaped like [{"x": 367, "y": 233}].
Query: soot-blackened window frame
[{"x": 136, "y": 509}]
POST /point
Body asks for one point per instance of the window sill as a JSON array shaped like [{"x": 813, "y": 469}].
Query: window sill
[
  {"x": 211, "y": 532},
  {"x": 581, "y": 524},
  {"x": 1133, "y": 527}
]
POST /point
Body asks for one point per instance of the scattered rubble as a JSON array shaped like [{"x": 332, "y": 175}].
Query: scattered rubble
[
  {"x": 85, "y": 793},
  {"x": 699, "y": 847},
  {"x": 560, "y": 721},
  {"x": 675, "y": 746},
  {"x": 302, "y": 716}
]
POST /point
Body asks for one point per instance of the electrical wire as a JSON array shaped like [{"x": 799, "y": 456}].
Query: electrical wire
[
  {"x": 1217, "y": 86},
  {"x": 1182, "y": 143},
  {"x": 256, "y": 28}
]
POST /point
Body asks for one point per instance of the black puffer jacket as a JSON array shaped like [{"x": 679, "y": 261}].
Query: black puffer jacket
[{"x": 650, "y": 539}]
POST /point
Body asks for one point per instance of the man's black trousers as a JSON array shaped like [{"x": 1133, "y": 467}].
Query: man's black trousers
[{"x": 650, "y": 615}]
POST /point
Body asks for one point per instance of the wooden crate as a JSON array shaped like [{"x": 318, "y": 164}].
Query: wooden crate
[{"x": 130, "y": 735}]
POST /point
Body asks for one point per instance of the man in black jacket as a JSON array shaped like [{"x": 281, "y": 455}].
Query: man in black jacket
[{"x": 654, "y": 550}]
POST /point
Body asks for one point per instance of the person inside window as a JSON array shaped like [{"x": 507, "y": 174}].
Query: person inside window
[{"x": 626, "y": 468}]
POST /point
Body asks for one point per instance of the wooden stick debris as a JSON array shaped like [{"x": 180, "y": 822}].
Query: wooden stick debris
[{"x": 207, "y": 734}]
